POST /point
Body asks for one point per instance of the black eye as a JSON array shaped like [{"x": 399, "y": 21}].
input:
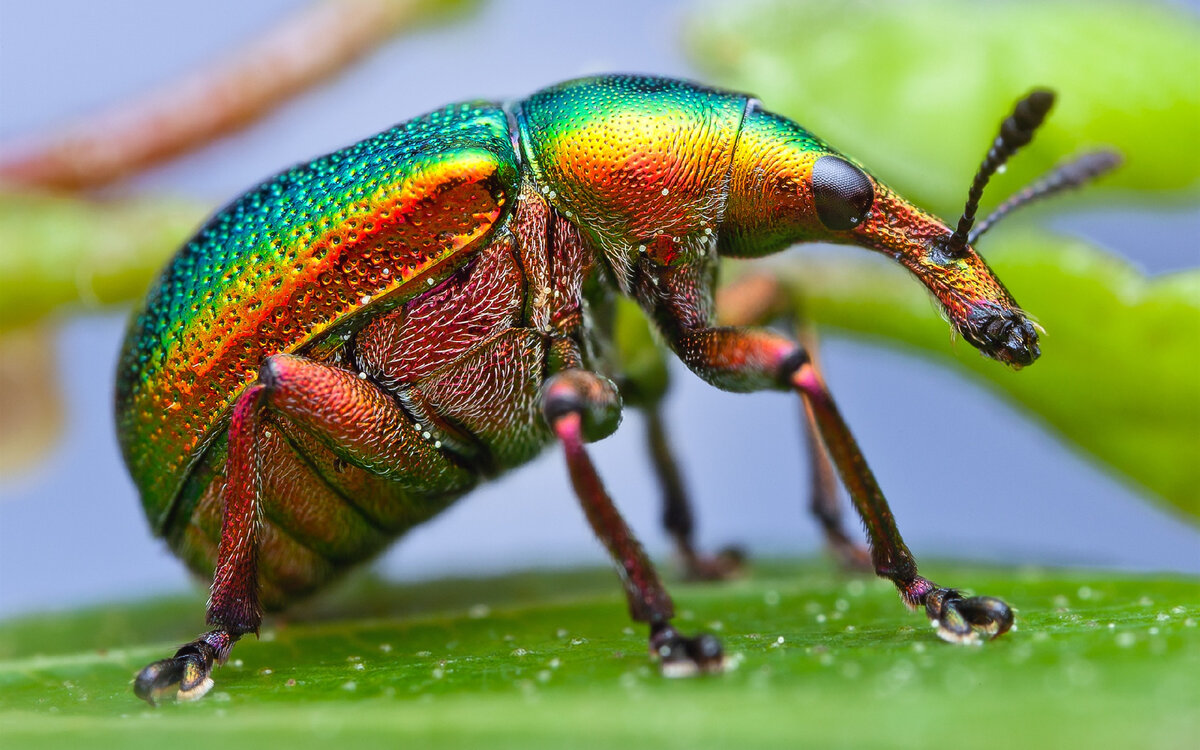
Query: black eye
[{"x": 843, "y": 194}]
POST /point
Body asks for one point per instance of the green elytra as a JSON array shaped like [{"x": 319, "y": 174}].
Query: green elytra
[{"x": 357, "y": 342}]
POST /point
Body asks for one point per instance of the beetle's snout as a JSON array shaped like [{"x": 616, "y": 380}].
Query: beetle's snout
[{"x": 1006, "y": 335}]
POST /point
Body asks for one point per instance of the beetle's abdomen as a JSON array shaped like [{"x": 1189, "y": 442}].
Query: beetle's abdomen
[
  {"x": 632, "y": 158},
  {"x": 289, "y": 261}
]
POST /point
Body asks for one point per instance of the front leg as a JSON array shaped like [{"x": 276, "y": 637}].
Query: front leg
[{"x": 748, "y": 359}]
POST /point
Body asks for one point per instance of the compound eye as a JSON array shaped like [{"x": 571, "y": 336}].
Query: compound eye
[{"x": 842, "y": 192}]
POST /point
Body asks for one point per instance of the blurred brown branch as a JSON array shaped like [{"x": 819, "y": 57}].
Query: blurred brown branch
[{"x": 206, "y": 104}]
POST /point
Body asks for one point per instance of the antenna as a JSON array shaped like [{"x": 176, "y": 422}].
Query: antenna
[
  {"x": 1065, "y": 176},
  {"x": 1016, "y": 131}
]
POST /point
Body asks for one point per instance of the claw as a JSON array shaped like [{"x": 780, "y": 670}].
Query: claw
[
  {"x": 187, "y": 673},
  {"x": 680, "y": 656},
  {"x": 965, "y": 620}
]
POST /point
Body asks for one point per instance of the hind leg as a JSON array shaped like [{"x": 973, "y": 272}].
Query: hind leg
[{"x": 363, "y": 425}]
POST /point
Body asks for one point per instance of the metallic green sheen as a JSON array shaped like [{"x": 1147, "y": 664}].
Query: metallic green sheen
[{"x": 264, "y": 276}]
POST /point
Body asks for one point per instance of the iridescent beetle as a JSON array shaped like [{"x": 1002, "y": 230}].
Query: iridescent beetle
[{"x": 345, "y": 350}]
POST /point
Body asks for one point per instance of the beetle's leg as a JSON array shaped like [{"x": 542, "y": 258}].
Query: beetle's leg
[
  {"x": 361, "y": 423},
  {"x": 677, "y": 517},
  {"x": 576, "y": 404},
  {"x": 757, "y": 299},
  {"x": 644, "y": 383},
  {"x": 824, "y": 503},
  {"x": 748, "y": 359},
  {"x": 233, "y": 603}
]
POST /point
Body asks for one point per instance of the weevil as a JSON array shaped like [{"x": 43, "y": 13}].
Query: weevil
[{"x": 348, "y": 348}]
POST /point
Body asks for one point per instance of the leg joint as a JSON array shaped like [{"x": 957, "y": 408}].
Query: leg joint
[{"x": 792, "y": 362}]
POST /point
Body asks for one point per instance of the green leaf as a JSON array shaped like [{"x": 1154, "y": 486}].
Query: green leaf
[
  {"x": 57, "y": 251},
  {"x": 917, "y": 90},
  {"x": 823, "y": 660},
  {"x": 1117, "y": 376}
]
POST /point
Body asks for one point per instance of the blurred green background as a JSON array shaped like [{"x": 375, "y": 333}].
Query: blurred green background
[{"x": 1086, "y": 458}]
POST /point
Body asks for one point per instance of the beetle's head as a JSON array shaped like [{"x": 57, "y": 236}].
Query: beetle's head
[{"x": 789, "y": 187}]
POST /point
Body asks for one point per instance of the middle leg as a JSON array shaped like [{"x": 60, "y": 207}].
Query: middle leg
[{"x": 580, "y": 405}]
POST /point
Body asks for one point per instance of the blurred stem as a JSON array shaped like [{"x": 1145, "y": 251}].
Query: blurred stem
[
  {"x": 184, "y": 114},
  {"x": 59, "y": 253},
  {"x": 31, "y": 411}
]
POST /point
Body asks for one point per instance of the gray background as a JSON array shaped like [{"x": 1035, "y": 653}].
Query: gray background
[{"x": 71, "y": 530}]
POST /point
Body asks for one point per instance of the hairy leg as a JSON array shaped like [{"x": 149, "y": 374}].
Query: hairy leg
[
  {"x": 579, "y": 405},
  {"x": 748, "y": 359},
  {"x": 361, "y": 423}
]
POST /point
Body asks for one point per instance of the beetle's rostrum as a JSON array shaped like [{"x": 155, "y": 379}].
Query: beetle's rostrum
[{"x": 348, "y": 348}]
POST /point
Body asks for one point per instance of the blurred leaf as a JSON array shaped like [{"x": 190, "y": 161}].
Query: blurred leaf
[
  {"x": 823, "y": 661},
  {"x": 59, "y": 252},
  {"x": 917, "y": 90},
  {"x": 1118, "y": 372}
]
